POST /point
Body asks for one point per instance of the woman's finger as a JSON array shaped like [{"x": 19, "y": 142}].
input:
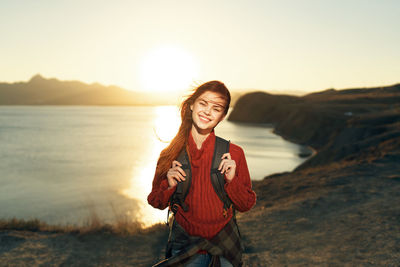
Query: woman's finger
[
  {"x": 175, "y": 174},
  {"x": 224, "y": 162},
  {"x": 228, "y": 167},
  {"x": 226, "y": 156},
  {"x": 180, "y": 176},
  {"x": 176, "y": 163},
  {"x": 221, "y": 164},
  {"x": 224, "y": 166},
  {"x": 223, "y": 169},
  {"x": 180, "y": 171}
]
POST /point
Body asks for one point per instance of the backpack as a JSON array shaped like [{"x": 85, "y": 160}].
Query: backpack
[{"x": 217, "y": 178}]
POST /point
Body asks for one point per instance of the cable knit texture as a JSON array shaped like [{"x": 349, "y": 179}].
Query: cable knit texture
[{"x": 205, "y": 215}]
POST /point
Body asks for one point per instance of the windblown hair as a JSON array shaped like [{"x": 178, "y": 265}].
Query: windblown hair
[{"x": 170, "y": 153}]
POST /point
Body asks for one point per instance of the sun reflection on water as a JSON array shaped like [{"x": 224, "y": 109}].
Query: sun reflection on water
[{"x": 165, "y": 125}]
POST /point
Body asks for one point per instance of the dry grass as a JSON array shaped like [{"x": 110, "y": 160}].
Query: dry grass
[
  {"x": 122, "y": 243},
  {"x": 123, "y": 225}
]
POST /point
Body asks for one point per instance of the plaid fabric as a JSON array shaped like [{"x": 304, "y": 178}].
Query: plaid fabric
[{"x": 226, "y": 243}]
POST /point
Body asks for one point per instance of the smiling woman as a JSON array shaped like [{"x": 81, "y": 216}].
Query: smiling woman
[{"x": 167, "y": 69}]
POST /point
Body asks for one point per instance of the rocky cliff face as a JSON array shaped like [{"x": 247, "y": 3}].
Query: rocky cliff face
[
  {"x": 337, "y": 208},
  {"x": 346, "y": 124}
]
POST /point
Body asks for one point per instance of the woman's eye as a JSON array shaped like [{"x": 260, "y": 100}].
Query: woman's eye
[
  {"x": 202, "y": 103},
  {"x": 217, "y": 109}
]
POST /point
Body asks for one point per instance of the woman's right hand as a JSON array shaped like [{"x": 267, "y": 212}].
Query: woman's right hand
[{"x": 175, "y": 174}]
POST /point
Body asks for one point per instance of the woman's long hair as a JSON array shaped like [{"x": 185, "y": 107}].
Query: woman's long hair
[{"x": 171, "y": 152}]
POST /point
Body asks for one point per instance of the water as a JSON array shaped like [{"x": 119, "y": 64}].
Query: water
[{"x": 62, "y": 164}]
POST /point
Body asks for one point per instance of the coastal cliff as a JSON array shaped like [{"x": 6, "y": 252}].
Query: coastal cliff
[
  {"x": 339, "y": 124},
  {"x": 339, "y": 207}
]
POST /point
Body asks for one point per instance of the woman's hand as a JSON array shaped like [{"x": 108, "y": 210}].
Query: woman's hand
[
  {"x": 175, "y": 174},
  {"x": 227, "y": 166}
]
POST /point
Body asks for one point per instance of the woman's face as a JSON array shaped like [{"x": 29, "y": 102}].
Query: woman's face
[{"x": 207, "y": 111}]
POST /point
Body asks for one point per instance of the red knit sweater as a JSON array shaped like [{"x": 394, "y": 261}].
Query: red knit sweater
[{"x": 205, "y": 215}]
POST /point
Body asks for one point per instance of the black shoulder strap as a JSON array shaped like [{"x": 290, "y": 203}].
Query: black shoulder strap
[
  {"x": 182, "y": 188},
  {"x": 217, "y": 178}
]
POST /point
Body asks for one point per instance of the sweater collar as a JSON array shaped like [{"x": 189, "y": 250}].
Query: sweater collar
[{"x": 206, "y": 145}]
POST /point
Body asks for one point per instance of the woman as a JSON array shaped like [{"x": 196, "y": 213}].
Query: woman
[{"x": 205, "y": 216}]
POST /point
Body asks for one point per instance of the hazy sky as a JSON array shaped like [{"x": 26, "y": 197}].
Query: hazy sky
[{"x": 272, "y": 45}]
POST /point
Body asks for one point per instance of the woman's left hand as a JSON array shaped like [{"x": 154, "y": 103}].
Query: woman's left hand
[{"x": 227, "y": 166}]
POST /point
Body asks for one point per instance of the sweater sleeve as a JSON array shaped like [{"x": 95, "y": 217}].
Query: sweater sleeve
[
  {"x": 239, "y": 189},
  {"x": 160, "y": 194}
]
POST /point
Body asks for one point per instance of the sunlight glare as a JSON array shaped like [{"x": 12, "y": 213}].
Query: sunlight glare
[
  {"x": 166, "y": 124},
  {"x": 168, "y": 69},
  {"x": 140, "y": 187}
]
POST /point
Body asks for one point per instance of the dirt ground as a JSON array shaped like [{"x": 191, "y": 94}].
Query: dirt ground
[{"x": 335, "y": 216}]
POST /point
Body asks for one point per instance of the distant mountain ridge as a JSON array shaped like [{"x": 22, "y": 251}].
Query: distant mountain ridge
[{"x": 41, "y": 91}]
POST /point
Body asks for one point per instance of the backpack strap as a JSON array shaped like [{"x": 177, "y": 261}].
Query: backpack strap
[
  {"x": 217, "y": 178},
  {"x": 182, "y": 188}
]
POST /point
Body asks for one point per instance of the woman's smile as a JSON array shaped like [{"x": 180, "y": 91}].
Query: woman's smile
[{"x": 204, "y": 119}]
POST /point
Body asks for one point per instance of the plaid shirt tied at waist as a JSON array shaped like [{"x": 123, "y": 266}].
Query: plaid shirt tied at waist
[{"x": 226, "y": 243}]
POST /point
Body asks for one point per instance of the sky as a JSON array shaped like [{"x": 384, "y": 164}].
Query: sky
[{"x": 298, "y": 45}]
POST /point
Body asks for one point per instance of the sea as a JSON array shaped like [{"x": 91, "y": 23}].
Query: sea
[{"x": 66, "y": 165}]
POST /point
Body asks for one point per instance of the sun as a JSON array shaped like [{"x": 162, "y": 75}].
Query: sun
[{"x": 168, "y": 69}]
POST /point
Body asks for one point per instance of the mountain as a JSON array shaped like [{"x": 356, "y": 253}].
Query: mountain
[{"x": 41, "y": 91}]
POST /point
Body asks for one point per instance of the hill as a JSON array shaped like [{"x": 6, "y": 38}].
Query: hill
[
  {"x": 341, "y": 123},
  {"x": 41, "y": 91},
  {"x": 338, "y": 208}
]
